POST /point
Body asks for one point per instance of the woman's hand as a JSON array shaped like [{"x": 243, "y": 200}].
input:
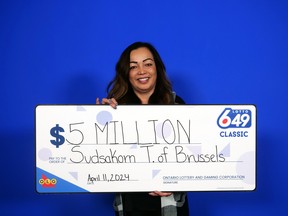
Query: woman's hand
[
  {"x": 112, "y": 102},
  {"x": 159, "y": 193}
]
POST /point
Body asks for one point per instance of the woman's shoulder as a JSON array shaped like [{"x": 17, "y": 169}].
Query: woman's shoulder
[{"x": 179, "y": 100}]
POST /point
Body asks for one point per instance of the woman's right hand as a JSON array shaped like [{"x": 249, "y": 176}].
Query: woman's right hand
[
  {"x": 159, "y": 193},
  {"x": 112, "y": 102}
]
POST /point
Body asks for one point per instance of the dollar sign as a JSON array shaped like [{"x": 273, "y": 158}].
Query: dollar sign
[{"x": 59, "y": 139}]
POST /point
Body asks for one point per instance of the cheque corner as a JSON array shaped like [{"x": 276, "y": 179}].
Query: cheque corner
[{"x": 47, "y": 182}]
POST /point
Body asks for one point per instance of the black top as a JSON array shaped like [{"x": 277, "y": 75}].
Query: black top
[{"x": 141, "y": 201}]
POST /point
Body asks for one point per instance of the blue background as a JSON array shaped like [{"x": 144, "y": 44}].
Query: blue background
[{"x": 64, "y": 52}]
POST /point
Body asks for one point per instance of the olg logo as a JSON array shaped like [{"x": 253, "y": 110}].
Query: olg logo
[{"x": 234, "y": 118}]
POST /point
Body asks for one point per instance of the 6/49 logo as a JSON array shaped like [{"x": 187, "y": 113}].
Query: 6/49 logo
[{"x": 234, "y": 118}]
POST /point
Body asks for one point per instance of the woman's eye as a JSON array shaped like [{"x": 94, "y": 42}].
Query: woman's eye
[
  {"x": 148, "y": 64},
  {"x": 133, "y": 67}
]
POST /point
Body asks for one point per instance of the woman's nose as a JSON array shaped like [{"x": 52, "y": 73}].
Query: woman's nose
[{"x": 141, "y": 70}]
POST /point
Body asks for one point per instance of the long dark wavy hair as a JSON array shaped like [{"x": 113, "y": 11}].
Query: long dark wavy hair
[{"x": 120, "y": 88}]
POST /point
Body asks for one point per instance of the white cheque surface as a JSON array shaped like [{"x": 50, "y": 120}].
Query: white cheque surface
[{"x": 95, "y": 148}]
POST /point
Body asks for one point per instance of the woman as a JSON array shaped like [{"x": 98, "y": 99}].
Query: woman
[{"x": 141, "y": 79}]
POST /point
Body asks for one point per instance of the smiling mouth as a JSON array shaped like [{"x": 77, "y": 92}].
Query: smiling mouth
[{"x": 143, "y": 79}]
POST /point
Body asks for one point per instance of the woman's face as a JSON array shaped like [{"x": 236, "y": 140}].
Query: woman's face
[{"x": 143, "y": 74}]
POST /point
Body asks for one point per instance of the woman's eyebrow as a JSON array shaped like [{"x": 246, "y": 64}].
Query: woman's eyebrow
[
  {"x": 135, "y": 62},
  {"x": 147, "y": 59}
]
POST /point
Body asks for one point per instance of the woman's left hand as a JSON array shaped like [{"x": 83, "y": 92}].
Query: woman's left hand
[{"x": 159, "y": 193}]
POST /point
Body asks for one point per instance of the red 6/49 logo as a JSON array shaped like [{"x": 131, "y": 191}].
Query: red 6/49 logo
[{"x": 234, "y": 118}]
